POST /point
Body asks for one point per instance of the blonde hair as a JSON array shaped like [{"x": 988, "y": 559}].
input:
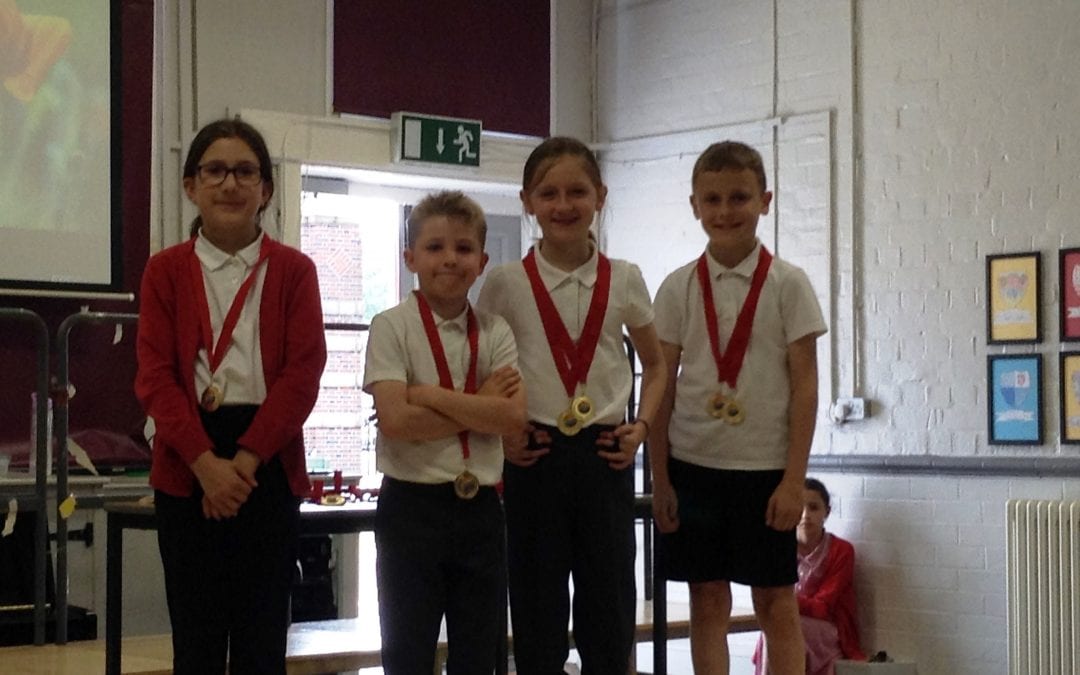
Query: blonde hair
[
  {"x": 730, "y": 155},
  {"x": 451, "y": 204}
]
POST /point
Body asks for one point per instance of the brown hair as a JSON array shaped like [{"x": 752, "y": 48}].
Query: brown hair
[
  {"x": 451, "y": 204},
  {"x": 730, "y": 155},
  {"x": 545, "y": 154},
  {"x": 229, "y": 128},
  {"x": 819, "y": 487}
]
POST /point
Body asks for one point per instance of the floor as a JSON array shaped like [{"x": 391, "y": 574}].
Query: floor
[{"x": 741, "y": 646}]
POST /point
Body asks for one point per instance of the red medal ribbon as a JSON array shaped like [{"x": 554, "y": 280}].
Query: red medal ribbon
[
  {"x": 729, "y": 363},
  {"x": 571, "y": 360},
  {"x": 446, "y": 381},
  {"x": 217, "y": 353}
]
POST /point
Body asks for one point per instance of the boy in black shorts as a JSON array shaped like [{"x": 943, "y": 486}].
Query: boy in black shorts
[{"x": 732, "y": 438}]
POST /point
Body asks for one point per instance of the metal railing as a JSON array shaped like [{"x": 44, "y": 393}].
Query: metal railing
[
  {"x": 60, "y": 419},
  {"x": 41, "y": 528}
]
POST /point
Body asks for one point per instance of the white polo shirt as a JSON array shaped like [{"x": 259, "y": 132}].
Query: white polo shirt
[
  {"x": 787, "y": 310},
  {"x": 240, "y": 373},
  {"x": 398, "y": 350},
  {"x": 508, "y": 293}
]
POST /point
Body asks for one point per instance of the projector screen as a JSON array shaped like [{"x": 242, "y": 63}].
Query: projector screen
[{"x": 59, "y": 145}]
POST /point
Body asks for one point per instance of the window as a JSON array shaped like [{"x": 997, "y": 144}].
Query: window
[{"x": 356, "y": 245}]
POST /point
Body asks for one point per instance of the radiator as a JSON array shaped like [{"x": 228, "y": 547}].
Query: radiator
[{"x": 1043, "y": 586}]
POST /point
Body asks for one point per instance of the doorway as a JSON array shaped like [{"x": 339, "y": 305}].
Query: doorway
[{"x": 353, "y": 227}]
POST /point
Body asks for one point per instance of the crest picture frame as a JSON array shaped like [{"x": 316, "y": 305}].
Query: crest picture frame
[
  {"x": 1070, "y": 398},
  {"x": 1014, "y": 401},
  {"x": 1069, "y": 285},
  {"x": 1013, "y": 298}
]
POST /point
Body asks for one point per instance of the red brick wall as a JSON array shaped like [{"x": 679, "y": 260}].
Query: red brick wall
[{"x": 339, "y": 434}]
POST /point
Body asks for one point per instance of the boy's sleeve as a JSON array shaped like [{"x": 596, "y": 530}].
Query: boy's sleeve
[
  {"x": 386, "y": 357},
  {"x": 639, "y": 307},
  {"x": 799, "y": 308},
  {"x": 667, "y": 308}
]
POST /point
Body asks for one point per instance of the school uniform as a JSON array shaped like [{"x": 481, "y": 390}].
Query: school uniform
[
  {"x": 228, "y": 582},
  {"x": 706, "y": 451},
  {"x": 827, "y": 608},
  {"x": 438, "y": 553},
  {"x": 570, "y": 513}
]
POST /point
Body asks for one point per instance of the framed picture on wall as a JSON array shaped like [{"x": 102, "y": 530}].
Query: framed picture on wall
[
  {"x": 1014, "y": 399},
  {"x": 1070, "y": 397},
  {"x": 1013, "y": 294},
  {"x": 1069, "y": 283}
]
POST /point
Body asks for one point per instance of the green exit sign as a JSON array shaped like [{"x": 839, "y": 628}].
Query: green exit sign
[{"x": 435, "y": 139}]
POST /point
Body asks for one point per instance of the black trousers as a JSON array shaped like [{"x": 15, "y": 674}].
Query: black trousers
[
  {"x": 228, "y": 582},
  {"x": 438, "y": 554},
  {"x": 570, "y": 513}
]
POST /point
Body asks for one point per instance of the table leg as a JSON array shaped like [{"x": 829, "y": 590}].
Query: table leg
[
  {"x": 659, "y": 599},
  {"x": 502, "y": 653},
  {"x": 114, "y": 564}
]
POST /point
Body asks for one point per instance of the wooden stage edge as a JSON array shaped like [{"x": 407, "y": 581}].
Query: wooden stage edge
[{"x": 314, "y": 647}]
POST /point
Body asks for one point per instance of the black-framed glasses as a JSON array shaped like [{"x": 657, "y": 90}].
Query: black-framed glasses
[{"x": 215, "y": 173}]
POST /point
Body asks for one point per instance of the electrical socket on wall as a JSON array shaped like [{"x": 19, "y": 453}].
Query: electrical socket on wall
[{"x": 850, "y": 408}]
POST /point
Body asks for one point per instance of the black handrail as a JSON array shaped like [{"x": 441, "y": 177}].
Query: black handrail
[
  {"x": 60, "y": 417},
  {"x": 41, "y": 531}
]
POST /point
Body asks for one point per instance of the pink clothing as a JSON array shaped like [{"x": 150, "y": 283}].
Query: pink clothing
[{"x": 826, "y": 595}]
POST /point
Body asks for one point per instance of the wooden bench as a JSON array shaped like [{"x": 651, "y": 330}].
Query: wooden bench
[
  {"x": 678, "y": 621},
  {"x": 314, "y": 647}
]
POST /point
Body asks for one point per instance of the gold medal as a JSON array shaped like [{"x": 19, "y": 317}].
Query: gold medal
[
  {"x": 717, "y": 405},
  {"x": 466, "y": 485},
  {"x": 733, "y": 412},
  {"x": 332, "y": 499},
  {"x": 569, "y": 423},
  {"x": 212, "y": 398},
  {"x": 582, "y": 407}
]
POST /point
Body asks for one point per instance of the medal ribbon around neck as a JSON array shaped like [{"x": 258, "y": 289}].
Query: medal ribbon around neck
[
  {"x": 571, "y": 360},
  {"x": 217, "y": 352},
  {"x": 729, "y": 363},
  {"x": 446, "y": 381}
]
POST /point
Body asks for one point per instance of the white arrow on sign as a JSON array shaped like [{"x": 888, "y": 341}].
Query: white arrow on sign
[{"x": 440, "y": 146}]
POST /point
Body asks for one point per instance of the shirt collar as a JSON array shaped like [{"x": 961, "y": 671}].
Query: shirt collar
[
  {"x": 213, "y": 258},
  {"x": 461, "y": 321},
  {"x": 745, "y": 268},
  {"x": 554, "y": 277}
]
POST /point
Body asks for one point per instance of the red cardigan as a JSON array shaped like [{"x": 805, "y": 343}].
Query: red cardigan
[
  {"x": 835, "y": 599},
  {"x": 293, "y": 348}
]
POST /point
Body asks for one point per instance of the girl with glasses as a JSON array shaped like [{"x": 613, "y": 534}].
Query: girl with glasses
[{"x": 230, "y": 352}]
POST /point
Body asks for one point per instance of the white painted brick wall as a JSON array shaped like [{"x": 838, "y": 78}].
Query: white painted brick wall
[
  {"x": 969, "y": 146},
  {"x": 931, "y": 563}
]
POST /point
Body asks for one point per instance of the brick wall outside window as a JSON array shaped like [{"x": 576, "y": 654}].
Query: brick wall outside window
[{"x": 339, "y": 434}]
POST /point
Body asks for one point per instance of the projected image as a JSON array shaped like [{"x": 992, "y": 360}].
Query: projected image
[{"x": 55, "y": 123}]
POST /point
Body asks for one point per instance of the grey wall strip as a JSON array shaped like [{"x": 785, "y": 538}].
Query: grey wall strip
[{"x": 1057, "y": 467}]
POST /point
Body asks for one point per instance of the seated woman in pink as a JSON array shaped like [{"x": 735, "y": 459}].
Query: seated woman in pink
[{"x": 826, "y": 590}]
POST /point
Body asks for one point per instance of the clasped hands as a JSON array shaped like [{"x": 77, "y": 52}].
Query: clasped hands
[{"x": 226, "y": 483}]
